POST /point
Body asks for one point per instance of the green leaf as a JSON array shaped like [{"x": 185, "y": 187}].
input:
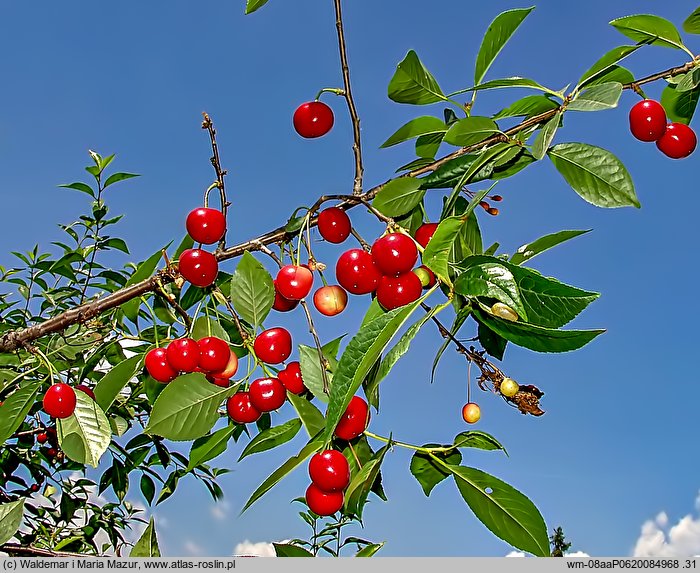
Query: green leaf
[
  {"x": 109, "y": 386},
  {"x": 252, "y": 290},
  {"x": 210, "y": 446},
  {"x": 118, "y": 244},
  {"x": 272, "y": 437},
  {"x": 545, "y": 136},
  {"x": 491, "y": 279},
  {"x": 290, "y": 550},
  {"x": 471, "y": 130},
  {"x": 398, "y": 196},
  {"x": 545, "y": 301},
  {"x": 412, "y": 83},
  {"x": 86, "y": 434},
  {"x": 374, "y": 310},
  {"x": 206, "y": 326},
  {"x": 527, "y": 107},
  {"x": 116, "y": 177},
  {"x": 513, "y": 82},
  {"x": 414, "y": 128},
  {"x": 310, "y": 415},
  {"x": 680, "y": 105},
  {"x": 148, "y": 488},
  {"x": 359, "y": 356},
  {"x": 187, "y": 408},
  {"x": 253, "y": 5},
  {"x": 143, "y": 271},
  {"x": 369, "y": 550},
  {"x": 428, "y": 145},
  {"x": 357, "y": 492},
  {"x": 692, "y": 22},
  {"x": 598, "y": 97},
  {"x": 78, "y": 186},
  {"x": 479, "y": 440},
  {"x": 10, "y": 519},
  {"x": 502, "y": 509},
  {"x": 530, "y": 250},
  {"x": 459, "y": 320},
  {"x": 649, "y": 28},
  {"x": 15, "y": 409},
  {"x": 436, "y": 254},
  {"x": 311, "y": 371},
  {"x": 537, "y": 338},
  {"x": 607, "y": 63},
  {"x": 595, "y": 174},
  {"x": 498, "y": 33},
  {"x": 313, "y": 446},
  {"x": 147, "y": 545},
  {"x": 430, "y": 472},
  {"x": 689, "y": 81},
  {"x": 491, "y": 342}
]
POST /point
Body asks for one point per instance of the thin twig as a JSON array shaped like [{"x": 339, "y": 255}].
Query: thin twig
[
  {"x": 220, "y": 173},
  {"x": 172, "y": 301},
  {"x": 319, "y": 348}
]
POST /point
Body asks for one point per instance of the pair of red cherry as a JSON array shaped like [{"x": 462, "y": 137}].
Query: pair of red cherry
[
  {"x": 210, "y": 355},
  {"x": 648, "y": 123},
  {"x": 206, "y": 226},
  {"x": 294, "y": 283}
]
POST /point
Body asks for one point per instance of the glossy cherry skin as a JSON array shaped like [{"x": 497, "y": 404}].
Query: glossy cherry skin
[
  {"x": 183, "y": 354},
  {"x": 206, "y": 225},
  {"x": 394, "y": 292},
  {"x": 273, "y": 345},
  {"x": 294, "y": 282},
  {"x": 291, "y": 378},
  {"x": 330, "y": 300},
  {"x": 647, "y": 120},
  {"x": 240, "y": 409},
  {"x": 282, "y": 304},
  {"x": 426, "y": 276},
  {"x": 323, "y": 503},
  {"x": 354, "y": 420},
  {"x": 86, "y": 389},
  {"x": 229, "y": 371},
  {"x": 198, "y": 267},
  {"x": 158, "y": 367},
  {"x": 678, "y": 141},
  {"x": 42, "y": 437},
  {"x": 59, "y": 400},
  {"x": 214, "y": 354},
  {"x": 329, "y": 470},
  {"x": 334, "y": 225},
  {"x": 394, "y": 253},
  {"x": 267, "y": 394},
  {"x": 220, "y": 382},
  {"x": 471, "y": 413},
  {"x": 313, "y": 119},
  {"x": 356, "y": 272},
  {"x": 424, "y": 233}
]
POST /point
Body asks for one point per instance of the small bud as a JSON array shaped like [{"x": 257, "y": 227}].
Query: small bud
[
  {"x": 492, "y": 211},
  {"x": 484, "y": 205},
  {"x": 504, "y": 311},
  {"x": 496, "y": 198}
]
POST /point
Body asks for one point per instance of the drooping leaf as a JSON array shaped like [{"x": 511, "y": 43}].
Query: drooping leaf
[
  {"x": 310, "y": 415},
  {"x": 505, "y": 511},
  {"x": 252, "y": 290},
  {"x": 545, "y": 136},
  {"x": 429, "y": 472},
  {"x": 477, "y": 439},
  {"x": 210, "y": 446},
  {"x": 10, "y": 519},
  {"x": 15, "y": 409},
  {"x": 606, "y": 63},
  {"x": 498, "y": 33},
  {"x": 142, "y": 272},
  {"x": 399, "y": 196},
  {"x": 470, "y": 130},
  {"x": 428, "y": 145},
  {"x": 598, "y": 97},
  {"x": 290, "y": 550},
  {"x": 414, "y": 128},
  {"x": 537, "y": 338},
  {"x": 86, "y": 434},
  {"x": 253, "y": 5},
  {"x": 491, "y": 342},
  {"x": 527, "y": 106},
  {"x": 649, "y": 28},
  {"x": 187, "y": 408},
  {"x": 272, "y": 437},
  {"x": 311, "y": 371},
  {"x": 148, "y": 488},
  {"x": 692, "y": 22},
  {"x": 436, "y": 254},
  {"x": 493, "y": 280},
  {"x": 680, "y": 105},
  {"x": 361, "y": 485},
  {"x": 412, "y": 83},
  {"x": 595, "y": 174},
  {"x": 147, "y": 545},
  {"x": 530, "y": 250},
  {"x": 112, "y": 383}
]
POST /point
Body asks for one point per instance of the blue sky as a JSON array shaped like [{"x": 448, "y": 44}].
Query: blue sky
[{"x": 615, "y": 450}]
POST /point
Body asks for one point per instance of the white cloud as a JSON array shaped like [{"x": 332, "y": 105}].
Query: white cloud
[
  {"x": 657, "y": 539},
  {"x": 191, "y": 548},
  {"x": 220, "y": 510},
  {"x": 259, "y": 549}
]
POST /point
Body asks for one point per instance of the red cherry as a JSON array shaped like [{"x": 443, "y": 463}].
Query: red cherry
[
  {"x": 283, "y": 304},
  {"x": 86, "y": 389},
  {"x": 313, "y": 119},
  {"x": 34, "y": 487},
  {"x": 42, "y": 437},
  {"x": 198, "y": 267},
  {"x": 330, "y": 300},
  {"x": 240, "y": 410},
  {"x": 221, "y": 382},
  {"x": 329, "y": 470},
  {"x": 354, "y": 420},
  {"x": 334, "y": 225},
  {"x": 267, "y": 394},
  {"x": 323, "y": 503},
  {"x": 356, "y": 272},
  {"x": 273, "y": 345},
  {"x": 183, "y": 354},
  {"x": 206, "y": 225},
  {"x": 394, "y": 253},
  {"x": 214, "y": 354},
  {"x": 394, "y": 292},
  {"x": 647, "y": 120},
  {"x": 59, "y": 400},
  {"x": 471, "y": 413},
  {"x": 291, "y": 378},
  {"x": 424, "y": 233},
  {"x": 158, "y": 367},
  {"x": 426, "y": 276},
  {"x": 678, "y": 141},
  {"x": 230, "y": 369},
  {"x": 294, "y": 282},
  {"x": 51, "y": 452}
]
